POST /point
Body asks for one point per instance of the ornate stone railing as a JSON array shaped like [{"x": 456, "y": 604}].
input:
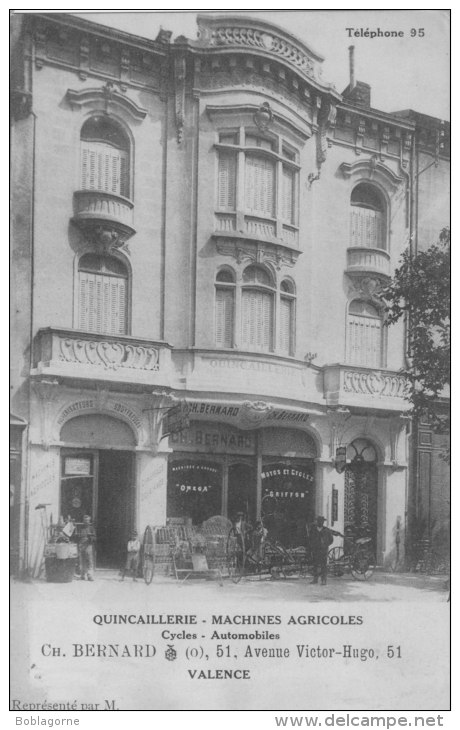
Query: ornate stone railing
[
  {"x": 226, "y": 222},
  {"x": 353, "y": 385},
  {"x": 83, "y": 354},
  {"x": 240, "y": 32},
  {"x": 260, "y": 228},
  {"x": 368, "y": 259},
  {"x": 290, "y": 236},
  {"x": 106, "y": 217}
]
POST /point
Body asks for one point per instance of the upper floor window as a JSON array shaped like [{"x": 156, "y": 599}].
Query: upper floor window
[
  {"x": 103, "y": 295},
  {"x": 364, "y": 335},
  {"x": 245, "y": 311},
  {"x": 368, "y": 217},
  {"x": 225, "y": 308},
  {"x": 104, "y": 157},
  {"x": 258, "y": 178}
]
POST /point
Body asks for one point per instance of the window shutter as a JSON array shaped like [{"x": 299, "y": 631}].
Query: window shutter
[
  {"x": 104, "y": 168},
  {"x": 260, "y": 185},
  {"x": 287, "y": 203},
  {"x": 224, "y": 317},
  {"x": 286, "y": 307},
  {"x": 257, "y": 320},
  {"x": 367, "y": 229},
  {"x": 364, "y": 341},
  {"x": 102, "y": 306},
  {"x": 227, "y": 180}
]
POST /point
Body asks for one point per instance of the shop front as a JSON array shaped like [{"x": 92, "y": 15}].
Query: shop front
[{"x": 215, "y": 469}]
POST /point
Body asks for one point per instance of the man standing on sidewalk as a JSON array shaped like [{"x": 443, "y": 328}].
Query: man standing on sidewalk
[
  {"x": 86, "y": 549},
  {"x": 320, "y": 538}
]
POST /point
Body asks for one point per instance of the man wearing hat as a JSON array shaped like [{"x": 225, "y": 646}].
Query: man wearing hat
[
  {"x": 132, "y": 556},
  {"x": 320, "y": 538}
]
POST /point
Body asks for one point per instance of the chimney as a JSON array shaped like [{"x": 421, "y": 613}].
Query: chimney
[{"x": 351, "y": 51}]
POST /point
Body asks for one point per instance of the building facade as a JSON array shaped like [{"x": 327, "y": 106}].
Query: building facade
[{"x": 203, "y": 224}]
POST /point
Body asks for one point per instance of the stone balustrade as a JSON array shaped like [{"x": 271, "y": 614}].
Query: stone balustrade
[{"x": 358, "y": 386}]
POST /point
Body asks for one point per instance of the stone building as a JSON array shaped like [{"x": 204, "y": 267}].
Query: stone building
[{"x": 202, "y": 225}]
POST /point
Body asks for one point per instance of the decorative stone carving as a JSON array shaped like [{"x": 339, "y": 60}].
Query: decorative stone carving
[
  {"x": 253, "y": 414},
  {"x": 108, "y": 354},
  {"x": 256, "y": 252},
  {"x": 372, "y": 169},
  {"x": 106, "y": 97},
  {"x": 374, "y": 383},
  {"x": 337, "y": 419},
  {"x": 105, "y": 219},
  {"x": 263, "y": 117},
  {"x": 47, "y": 393},
  {"x": 223, "y": 34},
  {"x": 326, "y": 123},
  {"x": 179, "y": 81}
]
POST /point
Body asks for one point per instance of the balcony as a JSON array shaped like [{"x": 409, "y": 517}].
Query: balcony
[
  {"x": 238, "y": 235},
  {"x": 105, "y": 218},
  {"x": 372, "y": 260},
  {"x": 92, "y": 356},
  {"x": 350, "y": 385}
]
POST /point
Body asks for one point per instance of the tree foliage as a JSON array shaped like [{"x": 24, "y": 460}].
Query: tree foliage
[{"x": 420, "y": 290}]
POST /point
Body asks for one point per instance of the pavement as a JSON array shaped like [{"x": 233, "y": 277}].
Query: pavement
[{"x": 403, "y": 610}]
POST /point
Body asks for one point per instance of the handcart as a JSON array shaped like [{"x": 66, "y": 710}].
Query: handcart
[{"x": 183, "y": 550}]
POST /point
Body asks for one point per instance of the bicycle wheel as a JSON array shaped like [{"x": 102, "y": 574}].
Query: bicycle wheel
[
  {"x": 147, "y": 569},
  {"x": 362, "y": 565},
  {"x": 335, "y": 561},
  {"x": 437, "y": 564},
  {"x": 236, "y": 557}
]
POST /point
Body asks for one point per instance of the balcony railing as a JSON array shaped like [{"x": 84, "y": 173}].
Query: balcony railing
[
  {"x": 368, "y": 259},
  {"x": 99, "y": 213},
  {"x": 253, "y": 228},
  {"x": 82, "y": 355},
  {"x": 358, "y": 386}
]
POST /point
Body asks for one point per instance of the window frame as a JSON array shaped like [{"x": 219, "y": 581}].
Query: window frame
[
  {"x": 272, "y": 287},
  {"x": 77, "y": 290},
  {"x": 375, "y": 190},
  {"x": 383, "y": 342},
  {"x": 127, "y": 149},
  {"x": 282, "y": 155}
]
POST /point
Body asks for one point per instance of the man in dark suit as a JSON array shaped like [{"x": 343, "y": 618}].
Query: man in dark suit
[{"x": 320, "y": 538}]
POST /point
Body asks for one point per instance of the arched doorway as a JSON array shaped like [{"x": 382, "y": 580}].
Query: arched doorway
[
  {"x": 361, "y": 503},
  {"x": 97, "y": 478}
]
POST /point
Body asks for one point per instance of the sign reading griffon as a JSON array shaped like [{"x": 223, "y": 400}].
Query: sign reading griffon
[{"x": 176, "y": 419}]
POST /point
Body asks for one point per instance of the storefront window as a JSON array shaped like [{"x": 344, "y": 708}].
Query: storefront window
[
  {"x": 194, "y": 490},
  {"x": 288, "y": 501}
]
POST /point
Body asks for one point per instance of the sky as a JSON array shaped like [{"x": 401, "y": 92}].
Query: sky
[{"x": 408, "y": 72}]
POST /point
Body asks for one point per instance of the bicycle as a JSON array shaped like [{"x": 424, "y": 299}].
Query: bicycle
[{"x": 355, "y": 557}]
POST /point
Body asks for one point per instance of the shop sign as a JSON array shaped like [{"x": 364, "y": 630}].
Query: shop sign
[
  {"x": 248, "y": 414},
  {"x": 335, "y": 505},
  {"x": 287, "y": 471},
  {"x": 218, "y": 440},
  {"x": 176, "y": 419},
  {"x": 77, "y": 466},
  {"x": 340, "y": 459}
]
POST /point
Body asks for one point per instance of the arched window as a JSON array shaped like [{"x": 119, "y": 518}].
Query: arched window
[
  {"x": 368, "y": 217},
  {"x": 104, "y": 157},
  {"x": 257, "y": 301},
  {"x": 364, "y": 335},
  {"x": 103, "y": 295},
  {"x": 225, "y": 308},
  {"x": 286, "y": 318}
]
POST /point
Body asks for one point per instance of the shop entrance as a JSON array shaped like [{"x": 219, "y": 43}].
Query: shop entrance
[
  {"x": 241, "y": 491},
  {"x": 98, "y": 483},
  {"x": 360, "y": 507},
  {"x": 288, "y": 500}
]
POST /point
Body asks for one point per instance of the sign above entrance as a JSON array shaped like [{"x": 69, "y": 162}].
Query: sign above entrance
[
  {"x": 248, "y": 414},
  {"x": 77, "y": 466}
]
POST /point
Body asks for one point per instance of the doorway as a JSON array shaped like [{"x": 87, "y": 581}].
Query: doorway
[
  {"x": 100, "y": 483},
  {"x": 241, "y": 491}
]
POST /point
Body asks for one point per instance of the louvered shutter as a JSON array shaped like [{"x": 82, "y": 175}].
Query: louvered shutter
[
  {"x": 286, "y": 307},
  {"x": 367, "y": 229},
  {"x": 257, "y": 319},
  {"x": 364, "y": 338},
  {"x": 260, "y": 185},
  {"x": 102, "y": 306},
  {"x": 104, "y": 168},
  {"x": 287, "y": 202},
  {"x": 227, "y": 180},
  {"x": 224, "y": 317}
]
